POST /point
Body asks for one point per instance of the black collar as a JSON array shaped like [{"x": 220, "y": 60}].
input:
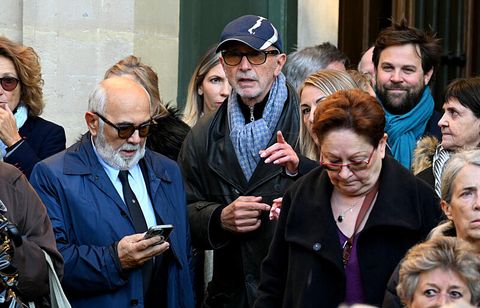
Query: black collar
[{"x": 257, "y": 108}]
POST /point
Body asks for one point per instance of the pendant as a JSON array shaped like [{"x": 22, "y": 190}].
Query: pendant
[{"x": 340, "y": 218}]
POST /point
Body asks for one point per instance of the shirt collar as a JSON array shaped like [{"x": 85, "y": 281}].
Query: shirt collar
[{"x": 112, "y": 173}]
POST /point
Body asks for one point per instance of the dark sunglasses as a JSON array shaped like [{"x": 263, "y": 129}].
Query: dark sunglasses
[
  {"x": 126, "y": 130},
  {"x": 9, "y": 83},
  {"x": 255, "y": 57}
]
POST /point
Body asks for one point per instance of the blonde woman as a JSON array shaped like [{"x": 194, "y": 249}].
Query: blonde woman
[
  {"x": 441, "y": 271},
  {"x": 315, "y": 89},
  {"x": 208, "y": 88}
]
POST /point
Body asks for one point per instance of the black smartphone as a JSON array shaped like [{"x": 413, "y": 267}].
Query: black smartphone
[{"x": 161, "y": 230}]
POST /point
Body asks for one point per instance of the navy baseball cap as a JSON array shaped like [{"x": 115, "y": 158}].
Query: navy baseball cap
[{"x": 255, "y": 31}]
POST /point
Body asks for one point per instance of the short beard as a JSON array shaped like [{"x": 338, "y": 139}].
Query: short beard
[
  {"x": 114, "y": 157},
  {"x": 411, "y": 99}
]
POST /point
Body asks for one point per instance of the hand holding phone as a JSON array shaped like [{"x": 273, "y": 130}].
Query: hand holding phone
[{"x": 159, "y": 230}]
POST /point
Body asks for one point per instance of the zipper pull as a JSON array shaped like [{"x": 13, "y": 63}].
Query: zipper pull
[{"x": 252, "y": 118}]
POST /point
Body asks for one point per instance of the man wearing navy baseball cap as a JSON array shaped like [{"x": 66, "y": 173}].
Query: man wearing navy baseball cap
[{"x": 230, "y": 181}]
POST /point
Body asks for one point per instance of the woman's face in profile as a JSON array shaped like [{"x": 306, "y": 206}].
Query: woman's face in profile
[
  {"x": 459, "y": 126},
  {"x": 438, "y": 287},
  {"x": 464, "y": 207},
  {"x": 344, "y": 146},
  {"x": 214, "y": 89},
  {"x": 309, "y": 99},
  {"x": 11, "y": 98}
]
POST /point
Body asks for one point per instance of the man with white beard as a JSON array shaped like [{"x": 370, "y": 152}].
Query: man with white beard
[{"x": 103, "y": 193}]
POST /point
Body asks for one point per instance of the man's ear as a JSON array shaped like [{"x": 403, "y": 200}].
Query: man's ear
[
  {"x": 222, "y": 62},
  {"x": 428, "y": 76},
  {"x": 447, "y": 209},
  {"x": 92, "y": 123},
  {"x": 281, "y": 59}
]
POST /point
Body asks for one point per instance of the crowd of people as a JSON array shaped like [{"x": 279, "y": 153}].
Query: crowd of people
[{"x": 286, "y": 181}]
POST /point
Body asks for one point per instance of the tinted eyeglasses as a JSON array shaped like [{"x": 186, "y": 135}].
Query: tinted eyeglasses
[
  {"x": 353, "y": 166},
  {"x": 9, "y": 83},
  {"x": 126, "y": 130},
  {"x": 255, "y": 57}
]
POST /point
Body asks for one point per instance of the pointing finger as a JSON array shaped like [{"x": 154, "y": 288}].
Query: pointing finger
[{"x": 280, "y": 138}]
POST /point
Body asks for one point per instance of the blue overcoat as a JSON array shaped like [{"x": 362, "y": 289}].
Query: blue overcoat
[{"x": 88, "y": 216}]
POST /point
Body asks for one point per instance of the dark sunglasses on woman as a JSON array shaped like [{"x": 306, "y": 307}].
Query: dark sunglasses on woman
[{"x": 9, "y": 83}]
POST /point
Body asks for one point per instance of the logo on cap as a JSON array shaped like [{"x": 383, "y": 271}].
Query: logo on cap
[{"x": 255, "y": 31}]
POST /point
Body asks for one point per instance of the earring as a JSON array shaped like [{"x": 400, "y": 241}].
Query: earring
[{"x": 200, "y": 91}]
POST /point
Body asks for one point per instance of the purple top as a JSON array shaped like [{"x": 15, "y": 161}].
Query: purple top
[{"x": 354, "y": 287}]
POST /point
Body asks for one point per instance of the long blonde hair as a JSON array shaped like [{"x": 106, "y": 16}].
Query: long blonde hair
[
  {"x": 194, "y": 105},
  {"x": 328, "y": 81}
]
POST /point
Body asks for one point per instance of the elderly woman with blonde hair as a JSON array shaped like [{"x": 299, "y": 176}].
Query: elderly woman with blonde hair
[{"x": 443, "y": 270}]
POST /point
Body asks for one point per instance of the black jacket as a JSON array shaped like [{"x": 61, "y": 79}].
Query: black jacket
[
  {"x": 304, "y": 265},
  {"x": 214, "y": 179},
  {"x": 42, "y": 139}
]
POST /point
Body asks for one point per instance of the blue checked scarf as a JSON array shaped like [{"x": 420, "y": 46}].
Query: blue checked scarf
[
  {"x": 249, "y": 138},
  {"x": 404, "y": 130}
]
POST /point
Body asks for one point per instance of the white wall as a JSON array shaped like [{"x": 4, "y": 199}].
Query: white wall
[
  {"x": 77, "y": 40},
  {"x": 317, "y": 22}
]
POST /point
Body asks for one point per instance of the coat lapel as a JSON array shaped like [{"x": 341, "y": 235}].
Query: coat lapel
[
  {"x": 310, "y": 221},
  {"x": 405, "y": 216},
  {"x": 221, "y": 154},
  {"x": 157, "y": 180},
  {"x": 80, "y": 159}
]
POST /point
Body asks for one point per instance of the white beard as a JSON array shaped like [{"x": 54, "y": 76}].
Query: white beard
[{"x": 114, "y": 157}]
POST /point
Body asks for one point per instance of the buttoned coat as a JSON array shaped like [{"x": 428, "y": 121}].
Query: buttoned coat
[
  {"x": 89, "y": 217},
  {"x": 304, "y": 264}
]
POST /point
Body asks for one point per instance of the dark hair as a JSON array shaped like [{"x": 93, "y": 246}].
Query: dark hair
[
  {"x": 467, "y": 92},
  {"x": 168, "y": 133},
  {"x": 350, "y": 109},
  {"x": 304, "y": 62},
  {"x": 402, "y": 34}
]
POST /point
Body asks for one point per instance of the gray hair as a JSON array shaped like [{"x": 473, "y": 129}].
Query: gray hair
[
  {"x": 97, "y": 99},
  {"x": 304, "y": 62},
  {"x": 456, "y": 162},
  {"x": 448, "y": 253}
]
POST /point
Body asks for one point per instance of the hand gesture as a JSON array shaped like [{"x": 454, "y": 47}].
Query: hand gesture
[
  {"x": 275, "y": 210},
  {"x": 243, "y": 214},
  {"x": 134, "y": 250},
  {"x": 281, "y": 153},
  {"x": 8, "y": 126}
]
